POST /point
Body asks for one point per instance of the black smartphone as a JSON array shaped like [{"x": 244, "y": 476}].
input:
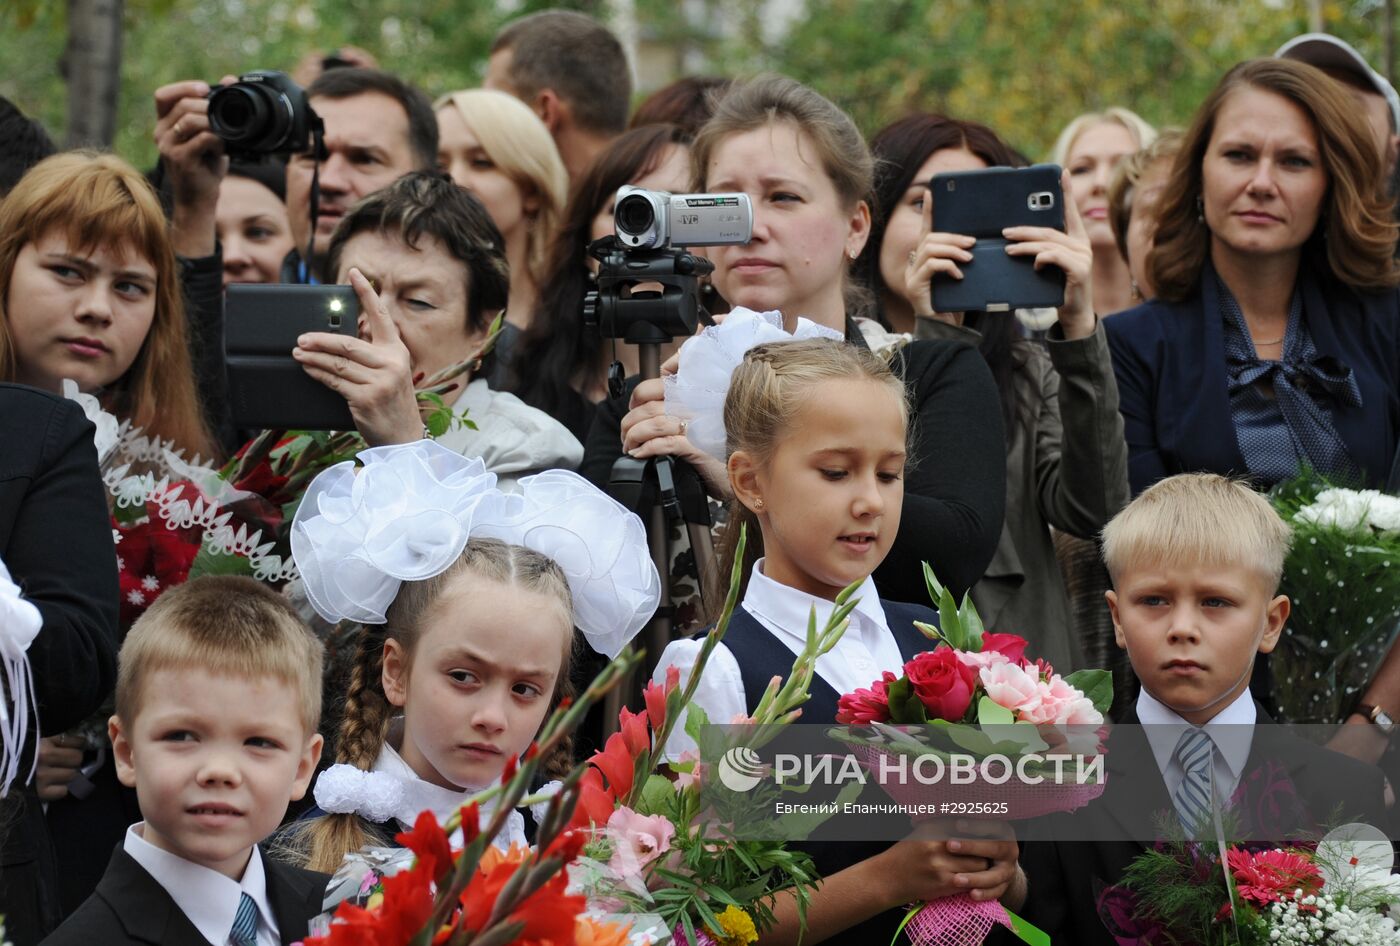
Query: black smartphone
[
  {"x": 267, "y": 387},
  {"x": 981, "y": 204}
]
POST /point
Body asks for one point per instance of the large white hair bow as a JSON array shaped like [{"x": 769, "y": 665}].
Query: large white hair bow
[
  {"x": 409, "y": 513},
  {"x": 20, "y": 622},
  {"x": 696, "y": 392}
]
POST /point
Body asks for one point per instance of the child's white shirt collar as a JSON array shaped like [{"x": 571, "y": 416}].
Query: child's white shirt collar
[
  {"x": 420, "y": 795},
  {"x": 1231, "y": 730},
  {"x": 866, "y": 649},
  {"x": 208, "y": 898}
]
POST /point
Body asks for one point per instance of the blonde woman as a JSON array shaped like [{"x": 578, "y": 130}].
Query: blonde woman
[
  {"x": 1090, "y": 148},
  {"x": 494, "y": 146}
]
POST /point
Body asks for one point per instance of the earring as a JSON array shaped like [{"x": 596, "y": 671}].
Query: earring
[
  {"x": 852, "y": 254},
  {"x": 758, "y": 503},
  {"x": 1200, "y": 207}
]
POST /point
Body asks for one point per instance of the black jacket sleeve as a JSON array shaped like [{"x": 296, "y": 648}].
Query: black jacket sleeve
[
  {"x": 603, "y": 446},
  {"x": 56, "y": 540},
  {"x": 955, "y": 482},
  {"x": 203, "y": 282}
]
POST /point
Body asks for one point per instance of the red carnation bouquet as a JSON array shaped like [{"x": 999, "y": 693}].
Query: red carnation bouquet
[{"x": 1022, "y": 732}]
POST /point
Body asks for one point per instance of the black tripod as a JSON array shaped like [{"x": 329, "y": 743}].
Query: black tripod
[{"x": 662, "y": 490}]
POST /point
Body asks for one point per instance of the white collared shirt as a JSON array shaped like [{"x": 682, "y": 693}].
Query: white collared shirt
[
  {"x": 866, "y": 650},
  {"x": 420, "y": 795},
  {"x": 1231, "y": 730},
  {"x": 208, "y": 898}
]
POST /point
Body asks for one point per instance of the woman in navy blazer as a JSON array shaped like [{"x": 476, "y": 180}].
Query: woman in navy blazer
[{"x": 1275, "y": 340}]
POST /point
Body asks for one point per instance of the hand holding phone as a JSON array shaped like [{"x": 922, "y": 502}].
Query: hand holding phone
[
  {"x": 373, "y": 372},
  {"x": 1071, "y": 252},
  {"x": 935, "y": 255}
]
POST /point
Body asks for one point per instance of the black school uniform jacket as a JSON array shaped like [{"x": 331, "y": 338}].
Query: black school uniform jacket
[
  {"x": 1067, "y": 879},
  {"x": 131, "y": 907},
  {"x": 760, "y": 656}
]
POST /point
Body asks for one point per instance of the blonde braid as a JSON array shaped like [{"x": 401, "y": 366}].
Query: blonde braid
[{"x": 325, "y": 841}]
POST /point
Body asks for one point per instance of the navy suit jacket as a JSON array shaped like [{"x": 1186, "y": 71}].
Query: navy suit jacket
[
  {"x": 1169, "y": 361},
  {"x": 131, "y": 907},
  {"x": 1066, "y": 879}
]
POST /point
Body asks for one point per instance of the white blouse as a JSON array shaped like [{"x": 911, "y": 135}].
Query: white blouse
[{"x": 866, "y": 650}]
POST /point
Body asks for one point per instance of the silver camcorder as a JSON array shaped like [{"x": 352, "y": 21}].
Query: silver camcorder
[{"x": 646, "y": 219}]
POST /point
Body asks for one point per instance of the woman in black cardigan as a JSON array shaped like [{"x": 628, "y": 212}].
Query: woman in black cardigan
[{"x": 810, "y": 222}]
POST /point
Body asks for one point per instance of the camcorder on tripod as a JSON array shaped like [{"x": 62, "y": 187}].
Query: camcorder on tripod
[{"x": 648, "y": 295}]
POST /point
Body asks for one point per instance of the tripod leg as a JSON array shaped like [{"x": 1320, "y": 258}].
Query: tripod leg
[
  {"x": 702, "y": 549},
  {"x": 656, "y": 635}
]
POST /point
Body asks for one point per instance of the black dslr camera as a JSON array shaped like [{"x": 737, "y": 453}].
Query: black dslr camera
[{"x": 263, "y": 113}]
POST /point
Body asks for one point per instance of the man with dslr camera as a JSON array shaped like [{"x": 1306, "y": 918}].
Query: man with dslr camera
[{"x": 377, "y": 128}]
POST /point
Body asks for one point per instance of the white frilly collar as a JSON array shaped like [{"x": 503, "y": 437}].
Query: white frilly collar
[{"x": 392, "y": 790}]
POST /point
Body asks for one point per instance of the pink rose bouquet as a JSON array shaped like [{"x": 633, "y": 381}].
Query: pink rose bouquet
[{"x": 976, "y": 694}]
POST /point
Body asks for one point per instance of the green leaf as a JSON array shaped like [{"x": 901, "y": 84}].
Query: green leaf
[
  {"x": 971, "y": 624},
  {"x": 656, "y": 794},
  {"x": 438, "y": 423},
  {"x": 1097, "y": 685},
  {"x": 905, "y": 705},
  {"x": 990, "y": 713},
  {"x": 950, "y": 621},
  {"x": 931, "y": 582},
  {"x": 218, "y": 563},
  {"x": 695, "y": 721}
]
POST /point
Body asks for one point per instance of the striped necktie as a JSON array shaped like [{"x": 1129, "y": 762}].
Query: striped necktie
[
  {"x": 245, "y": 923},
  {"x": 1196, "y": 754}
]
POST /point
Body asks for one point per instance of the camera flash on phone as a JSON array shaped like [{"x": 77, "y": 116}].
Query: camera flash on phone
[{"x": 336, "y": 305}]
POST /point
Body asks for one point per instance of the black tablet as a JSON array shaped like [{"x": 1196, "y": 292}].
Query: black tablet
[
  {"x": 267, "y": 387},
  {"x": 981, "y": 204}
]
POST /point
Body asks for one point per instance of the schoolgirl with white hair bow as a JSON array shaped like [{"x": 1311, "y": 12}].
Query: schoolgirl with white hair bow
[{"x": 469, "y": 598}]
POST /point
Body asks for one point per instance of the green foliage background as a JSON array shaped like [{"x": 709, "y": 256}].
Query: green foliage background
[{"x": 1023, "y": 66}]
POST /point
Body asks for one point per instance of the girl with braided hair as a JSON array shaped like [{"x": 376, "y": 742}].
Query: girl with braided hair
[{"x": 469, "y": 597}]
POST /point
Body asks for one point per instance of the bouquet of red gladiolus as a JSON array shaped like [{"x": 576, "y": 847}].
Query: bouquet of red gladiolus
[{"x": 480, "y": 895}]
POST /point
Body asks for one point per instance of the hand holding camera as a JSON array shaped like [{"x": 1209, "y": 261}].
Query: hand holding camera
[
  {"x": 1068, "y": 249},
  {"x": 194, "y": 161},
  {"x": 199, "y": 129}
]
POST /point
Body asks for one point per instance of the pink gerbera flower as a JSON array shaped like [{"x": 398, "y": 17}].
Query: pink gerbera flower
[{"x": 1273, "y": 876}]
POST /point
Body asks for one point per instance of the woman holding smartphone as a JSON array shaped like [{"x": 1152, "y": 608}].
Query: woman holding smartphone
[
  {"x": 430, "y": 270},
  {"x": 1065, "y": 457},
  {"x": 808, "y": 173}
]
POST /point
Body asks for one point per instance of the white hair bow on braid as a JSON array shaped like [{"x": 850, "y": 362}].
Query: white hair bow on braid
[
  {"x": 20, "y": 622},
  {"x": 409, "y": 513},
  {"x": 696, "y": 392}
]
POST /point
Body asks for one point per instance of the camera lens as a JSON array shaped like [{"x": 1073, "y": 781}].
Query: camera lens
[
  {"x": 635, "y": 215},
  {"x": 239, "y": 113}
]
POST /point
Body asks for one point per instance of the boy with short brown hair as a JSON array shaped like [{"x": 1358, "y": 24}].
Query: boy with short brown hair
[{"x": 218, "y": 700}]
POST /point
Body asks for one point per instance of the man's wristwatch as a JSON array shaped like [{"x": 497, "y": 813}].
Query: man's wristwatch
[{"x": 1380, "y": 717}]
